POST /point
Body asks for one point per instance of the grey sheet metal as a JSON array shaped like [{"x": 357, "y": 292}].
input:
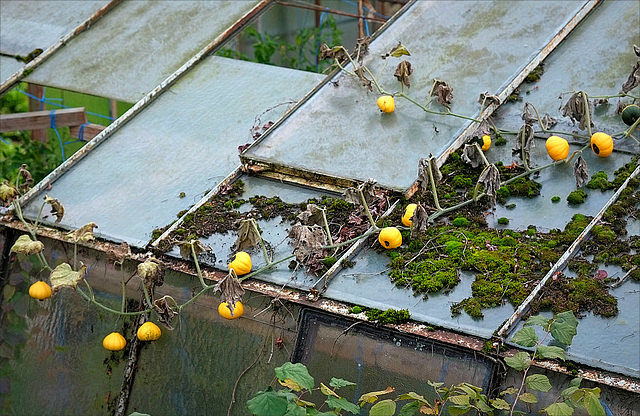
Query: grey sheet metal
[
  {"x": 475, "y": 46},
  {"x": 185, "y": 141},
  {"x": 139, "y": 44}
]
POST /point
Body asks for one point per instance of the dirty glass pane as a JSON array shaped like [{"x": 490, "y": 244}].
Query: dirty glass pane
[
  {"x": 376, "y": 358},
  {"x": 25, "y": 26},
  {"x": 135, "y": 46},
  {"x": 8, "y": 67},
  {"x": 171, "y": 154},
  {"x": 482, "y": 46},
  {"x": 194, "y": 368}
]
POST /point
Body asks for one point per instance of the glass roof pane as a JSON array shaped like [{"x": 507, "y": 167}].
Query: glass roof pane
[
  {"x": 185, "y": 141},
  {"x": 482, "y": 46},
  {"x": 137, "y": 45},
  {"x": 8, "y": 67},
  {"x": 27, "y": 25}
]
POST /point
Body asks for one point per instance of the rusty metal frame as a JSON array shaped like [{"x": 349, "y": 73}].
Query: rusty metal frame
[{"x": 210, "y": 48}]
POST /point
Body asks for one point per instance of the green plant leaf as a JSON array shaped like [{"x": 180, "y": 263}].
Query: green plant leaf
[
  {"x": 500, "y": 404},
  {"x": 460, "y": 400},
  {"x": 413, "y": 396},
  {"x": 483, "y": 406},
  {"x": 538, "y": 382},
  {"x": 294, "y": 410},
  {"x": 575, "y": 382},
  {"x": 268, "y": 403},
  {"x": 551, "y": 352},
  {"x": 526, "y": 337},
  {"x": 564, "y": 328},
  {"x": 520, "y": 361},
  {"x": 538, "y": 320},
  {"x": 25, "y": 245},
  {"x": 139, "y": 414},
  {"x": 592, "y": 402},
  {"x": 456, "y": 410},
  {"x": 558, "y": 409},
  {"x": 7, "y": 292},
  {"x": 296, "y": 372},
  {"x": 528, "y": 398},
  {"x": 385, "y": 407},
  {"x": 410, "y": 409},
  {"x": 569, "y": 392},
  {"x": 327, "y": 391},
  {"x": 510, "y": 390},
  {"x": 337, "y": 383},
  {"x": 371, "y": 397},
  {"x": 64, "y": 276},
  {"x": 342, "y": 404}
]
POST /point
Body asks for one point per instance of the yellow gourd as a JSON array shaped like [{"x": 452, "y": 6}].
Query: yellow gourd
[
  {"x": 40, "y": 290},
  {"x": 149, "y": 331},
  {"x": 390, "y": 237},
  {"x": 114, "y": 342},
  {"x": 241, "y": 263},
  {"x": 387, "y": 104},
  {"x": 557, "y": 148},
  {"x": 408, "y": 213},
  {"x": 486, "y": 142},
  {"x": 601, "y": 144},
  {"x": 225, "y": 311}
]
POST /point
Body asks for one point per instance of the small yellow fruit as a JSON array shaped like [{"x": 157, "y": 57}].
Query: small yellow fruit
[
  {"x": 601, "y": 144},
  {"x": 486, "y": 142},
  {"x": 387, "y": 104},
  {"x": 557, "y": 148},
  {"x": 225, "y": 311},
  {"x": 149, "y": 331},
  {"x": 40, "y": 290},
  {"x": 241, "y": 263},
  {"x": 390, "y": 237},
  {"x": 408, "y": 213},
  {"x": 114, "y": 342}
]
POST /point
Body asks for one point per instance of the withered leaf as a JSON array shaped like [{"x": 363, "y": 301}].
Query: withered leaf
[
  {"x": 231, "y": 290},
  {"x": 151, "y": 271},
  {"x": 248, "y": 236},
  {"x": 64, "y": 276},
  {"x": 56, "y": 207},
  {"x": 399, "y": 50},
  {"x": 7, "y": 192},
  {"x": 119, "y": 253},
  {"x": 581, "y": 171},
  {"x": 337, "y": 52},
  {"x": 490, "y": 98},
  {"x": 636, "y": 50},
  {"x": 528, "y": 115},
  {"x": 198, "y": 247},
  {"x": 362, "y": 46},
  {"x": 25, "y": 245},
  {"x": 312, "y": 215},
  {"x": 424, "y": 165},
  {"x": 576, "y": 109},
  {"x": 352, "y": 195},
  {"x": 419, "y": 221},
  {"x": 482, "y": 129},
  {"x": 403, "y": 72},
  {"x": 444, "y": 93},
  {"x": 84, "y": 233},
  {"x": 164, "y": 311},
  {"x": 472, "y": 155},
  {"x": 27, "y": 179},
  {"x": 633, "y": 80},
  {"x": 524, "y": 142},
  {"x": 548, "y": 122},
  {"x": 366, "y": 82},
  {"x": 490, "y": 179},
  {"x": 307, "y": 241}
]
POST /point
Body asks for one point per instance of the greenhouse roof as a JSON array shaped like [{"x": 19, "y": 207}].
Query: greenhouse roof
[{"x": 178, "y": 146}]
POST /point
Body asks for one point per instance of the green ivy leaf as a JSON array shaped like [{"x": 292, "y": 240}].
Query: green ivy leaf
[
  {"x": 371, "y": 397},
  {"x": 327, "y": 391},
  {"x": 294, "y": 410},
  {"x": 455, "y": 410},
  {"x": 538, "y": 320},
  {"x": 460, "y": 400},
  {"x": 564, "y": 328},
  {"x": 500, "y": 404},
  {"x": 552, "y": 352},
  {"x": 413, "y": 396},
  {"x": 296, "y": 372},
  {"x": 25, "y": 245},
  {"x": 520, "y": 361},
  {"x": 592, "y": 402},
  {"x": 558, "y": 409},
  {"x": 337, "y": 383},
  {"x": 526, "y": 337},
  {"x": 410, "y": 408},
  {"x": 528, "y": 398},
  {"x": 510, "y": 390},
  {"x": 342, "y": 404},
  {"x": 538, "y": 382},
  {"x": 383, "y": 408},
  {"x": 575, "y": 382},
  {"x": 268, "y": 403},
  {"x": 64, "y": 276}
]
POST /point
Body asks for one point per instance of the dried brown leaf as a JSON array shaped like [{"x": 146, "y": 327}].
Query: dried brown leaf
[
  {"x": 56, "y": 207},
  {"x": 528, "y": 114},
  {"x": 581, "y": 171},
  {"x": 548, "y": 122},
  {"x": 362, "y": 47},
  {"x": 337, "y": 52},
  {"x": 524, "y": 142},
  {"x": 399, "y": 50},
  {"x": 198, "y": 247},
  {"x": 472, "y": 155},
  {"x": 482, "y": 130},
  {"x": 84, "y": 233},
  {"x": 312, "y": 215},
  {"x": 165, "y": 312},
  {"x": 490, "y": 179},
  {"x": 490, "y": 98},
  {"x": 366, "y": 82},
  {"x": 444, "y": 93},
  {"x": 633, "y": 80},
  {"x": 27, "y": 179},
  {"x": 576, "y": 109},
  {"x": 231, "y": 290},
  {"x": 403, "y": 72},
  {"x": 151, "y": 271},
  {"x": 307, "y": 241},
  {"x": 248, "y": 236},
  {"x": 419, "y": 221}
]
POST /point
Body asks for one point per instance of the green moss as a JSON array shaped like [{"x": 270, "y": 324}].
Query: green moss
[
  {"x": 500, "y": 141},
  {"x": 582, "y": 294},
  {"x": 535, "y": 74},
  {"x": 555, "y": 199},
  {"x": 503, "y": 220},
  {"x": 460, "y": 222},
  {"x": 603, "y": 234},
  {"x": 329, "y": 261},
  {"x": 390, "y": 316},
  {"x": 600, "y": 181},
  {"x": 577, "y": 197},
  {"x": 356, "y": 309},
  {"x": 461, "y": 181},
  {"x": 510, "y": 206}
]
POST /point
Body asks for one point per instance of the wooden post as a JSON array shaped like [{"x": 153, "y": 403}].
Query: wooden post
[
  {"x": 35, "y": 105},
  {"x": 360, "y": 20}
]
